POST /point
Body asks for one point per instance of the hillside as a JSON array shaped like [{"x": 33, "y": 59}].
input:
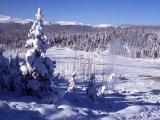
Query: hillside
[{"x": 137, "y": 41}]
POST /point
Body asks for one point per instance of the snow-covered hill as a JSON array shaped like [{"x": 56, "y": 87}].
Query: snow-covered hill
[
  {"x": 102, "y": 25},
  {"x": 82, "y": 24},
  {"x": 69, "y": 23},
  {"x": 9, "y": 19},
  {"x": 138, "y": 41}
]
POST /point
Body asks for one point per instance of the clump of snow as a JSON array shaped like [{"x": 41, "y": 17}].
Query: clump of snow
[
  {"x": 109, "y": 118},
  {"x": 47, "y": 110},
  {"x": 64, "y": 112}
]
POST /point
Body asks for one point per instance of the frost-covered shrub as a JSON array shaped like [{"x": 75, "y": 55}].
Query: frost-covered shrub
[{"x": 72, "y": 84}]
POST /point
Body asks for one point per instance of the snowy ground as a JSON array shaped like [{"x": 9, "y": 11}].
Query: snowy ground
[{"x": 134, "y": 98}]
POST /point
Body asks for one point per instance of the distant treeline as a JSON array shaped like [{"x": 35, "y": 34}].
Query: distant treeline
[{"x": 137, "y": 41}]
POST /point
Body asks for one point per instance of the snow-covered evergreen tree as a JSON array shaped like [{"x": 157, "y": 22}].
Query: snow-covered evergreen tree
[
  {"x": 15, "y": 73},
  {"x": 10, "y": 76},
  {"x": 39, "y": 68}
]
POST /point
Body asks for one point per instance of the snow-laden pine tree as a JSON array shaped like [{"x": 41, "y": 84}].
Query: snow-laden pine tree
[
  {"x": 10, "y": 75},
  {"x": 16, "y": 78},
  {"x": 39, "y": 68}
]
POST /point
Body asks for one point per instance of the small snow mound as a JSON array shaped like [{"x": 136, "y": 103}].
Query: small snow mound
[
  {"x": 131, "y": 110},
  {"x": 64, "y": 107},
  {"x": 65, "y": 112},
  {"x": 3, "y": 106},
  {"x": 109, "y": 118},
  {"x": 24, "y": 69},
  {"x": 47, "y": 109},
  {"x": 5, "y": 110}
]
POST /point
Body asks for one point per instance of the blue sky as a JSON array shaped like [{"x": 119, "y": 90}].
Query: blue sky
[{"x": 87, "y": 11}]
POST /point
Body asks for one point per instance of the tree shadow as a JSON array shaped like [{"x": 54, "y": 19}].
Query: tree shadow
[
  {"x": 155, "y": 91},
  {"x": 15, "y": 114},
  {"x": 108, "y": 103},
  {"x": 111, "y": 102},
  {"x": 10, "y": 96}
]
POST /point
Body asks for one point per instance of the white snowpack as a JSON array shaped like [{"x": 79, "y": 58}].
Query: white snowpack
[{"x": 134, "y": 98}]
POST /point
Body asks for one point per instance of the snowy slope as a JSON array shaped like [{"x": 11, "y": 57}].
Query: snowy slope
[
  {"x": 9, "y": 19},
  {"x": 135, "y": 98}
]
